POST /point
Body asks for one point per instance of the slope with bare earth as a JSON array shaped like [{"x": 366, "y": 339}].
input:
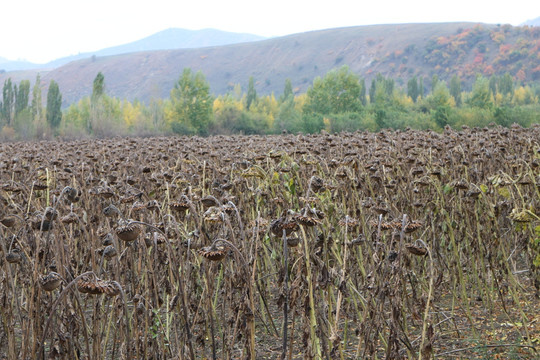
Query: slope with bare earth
[{"x": 399, "y": 51}]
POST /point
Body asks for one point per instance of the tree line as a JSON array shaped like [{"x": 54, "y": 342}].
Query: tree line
[{"x": 339, "y": 101}]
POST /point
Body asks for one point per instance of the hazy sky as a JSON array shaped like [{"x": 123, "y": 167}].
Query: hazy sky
[{"x": 43, "y": 30}]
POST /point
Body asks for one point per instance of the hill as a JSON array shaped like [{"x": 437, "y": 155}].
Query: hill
[
  {"x": 533, "y": 22},
  {"x": 12, "y": 65},
  {"x": 172, "y": 38},
  {"x": 398, "y": 51}
]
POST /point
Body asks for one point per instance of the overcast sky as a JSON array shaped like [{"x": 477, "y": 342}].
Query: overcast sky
[{"x": 43, "y": 30}]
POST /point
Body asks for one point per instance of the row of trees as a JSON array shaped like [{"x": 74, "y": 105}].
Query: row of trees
[
  {"x": 22, "y": 118},
  {"x": 339, "y": 101}
]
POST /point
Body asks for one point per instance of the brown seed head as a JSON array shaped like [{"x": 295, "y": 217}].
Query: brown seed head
[
  {"x": 128, "y": 232},
  {"x": 51, "y": 281},
  {"x": 213, "y": 253}
]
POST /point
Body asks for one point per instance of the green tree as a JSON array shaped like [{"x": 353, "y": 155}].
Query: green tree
[
  {"x": 227, "y": 112},
  {"x": 251, "y": 97},
  {"x": 455, "y": 89},
  {"x": 493, "y": 84},
  {"x": 440, "y": 101},
  {"x": 440, "y": 96},
  {"x": 502, "y": 115},
  {"x": 54, "y": 105},
  {"x": 287, "y": 91},
  {"x": 338, "y": 92},
  {"x": 191, "y": 104},
  {"x": 434, "y": 81},
  {"x": 372, "y": 90},
  {"x": 37, "y": 107},
  {"x": 380, "y": 117},
  {"x": 8, "y": 103},
  {"x": 481, "y": 96},
  {"x": 22, "y": 96},
  {"x": 382, "y": 90},
  {"x": 412, "y": 88},
  {"x": 389, "y": 85},
  {"x": 363, "y": 99},
  {"x": 506, "y": 84},
  {"x": 288, "y": 118},
  {"x": 98, "y": 88}
]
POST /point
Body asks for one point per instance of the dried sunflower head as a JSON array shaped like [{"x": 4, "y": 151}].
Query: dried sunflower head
[
  {"x": 128, "y": 232},
  {"x": 8, "y": 221},
  {"x": 51, "y": 281},
  {"x": 38, "y": 223},
  {"x": 213, "y": 252},
  {"x": 11, "y": 187},
  {"x": 293, "y": 241},
  {"x": 381, "y": 209},
  {"x": 154, "y": 237},
  {"x": 384, "y": 225},
  {"x": 348, "y": 221},
  {"x": 138, "y": 207},
  {"x": 50, "y": 214},
  {"x": 96, "y": 286},
  {"x": 39, "y": 185},
  {"x": 460, "y": 184},
  {"x": 286, "y": 222},
  {"x": 208, "y": 201},
  {"x": 259, "y": 224},
  {"x": 410, "y": 225},
  {"x": 111, "y": 210},
  {"x": 214, "y": 215},
  {"x": 72, "y": 194},
  {"x": 413, "y": 226},
  {"x": 70, "y": 218},
  {"x": 416, "y": 249},
  {"x": 316, "y": 184},
  {"x": 181, "y": 205},
  {"x": 108, "y": 252},
  {"x": 309, "y": 216},
  {"x": 14, "y": 256}
]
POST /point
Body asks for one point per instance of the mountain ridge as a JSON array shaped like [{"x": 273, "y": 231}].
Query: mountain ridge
[
  {"x": 532, "y": 22},
  {"x": 171, "y": 38},
  {"x": 400, "y": 51}
]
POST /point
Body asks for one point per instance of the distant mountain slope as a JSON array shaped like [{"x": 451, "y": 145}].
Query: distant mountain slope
[
  {"x": 173, "y": 38},
  {"x": 533, "y": 22},
  {"x": 398, "y": 51},
  {"x": 11, "y": 65},
  {"x": 300, "y": 57}
]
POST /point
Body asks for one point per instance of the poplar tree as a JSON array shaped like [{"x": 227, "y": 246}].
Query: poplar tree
[
  {"x": 251, "y": 97},
  {"x": 54, "y": 104},
  {"x": 98, "y": 88},
  {"x": 287, "y": 91},
  {"x": 455, "y": 89},
  {"x": 412, "y": 89},
  {"x": 21, "y": 96},
  {"x": 37, "y": 107},
  {"x": 7, "y": 105}
]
